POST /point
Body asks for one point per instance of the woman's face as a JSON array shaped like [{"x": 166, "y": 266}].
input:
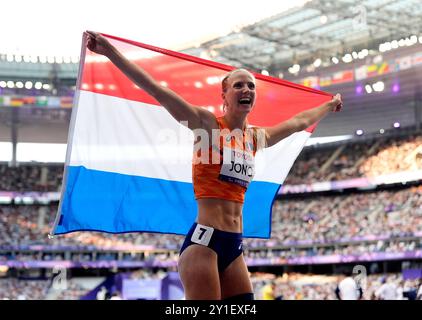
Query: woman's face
[{"x": 240, "y": 93}]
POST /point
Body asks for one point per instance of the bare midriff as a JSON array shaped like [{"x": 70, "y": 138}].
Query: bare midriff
[{"x": 221, "y": 214}]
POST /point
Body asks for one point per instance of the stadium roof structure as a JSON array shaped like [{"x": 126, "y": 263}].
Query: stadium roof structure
[{"x": 320, "y": 29}]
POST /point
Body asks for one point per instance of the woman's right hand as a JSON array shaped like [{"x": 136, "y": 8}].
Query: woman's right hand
[{"x": 98, "y": 43}]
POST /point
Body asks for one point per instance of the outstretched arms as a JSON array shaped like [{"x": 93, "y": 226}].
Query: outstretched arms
[
  {"x": 180, "y": 109},
  {"x": 301, "y": 121}
]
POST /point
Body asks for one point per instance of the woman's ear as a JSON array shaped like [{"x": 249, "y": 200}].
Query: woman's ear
[{"x": 223, "y": 96}]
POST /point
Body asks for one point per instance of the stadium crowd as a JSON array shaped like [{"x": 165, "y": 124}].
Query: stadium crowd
[
  {"x": 383, "y": 221},
  {"x": 365, "y": 159},
  {"x": 331, "y": 218},
  {"x": 289, "y": 286},
  {"x": 27, "y": 178},
  {"x": 313, "y": 220},
  {"x": 15, "y": 289}
]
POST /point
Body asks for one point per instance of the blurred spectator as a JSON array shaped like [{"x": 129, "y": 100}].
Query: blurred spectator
[
  {"x": 388, "y": 291},
  {"x": 348, "y": 289},
  {"x": 268, "y": 291}
]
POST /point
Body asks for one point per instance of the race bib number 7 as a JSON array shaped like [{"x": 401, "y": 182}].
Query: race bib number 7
[
  {"x": 202, "y": 234},
  {"x": 238, "y": 166}
]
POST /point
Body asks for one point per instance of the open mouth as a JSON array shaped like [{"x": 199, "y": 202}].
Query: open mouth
[{"x": 245, "y": 101}]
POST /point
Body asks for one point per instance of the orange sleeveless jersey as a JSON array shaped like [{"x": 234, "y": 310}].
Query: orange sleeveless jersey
[{"x": 206, "y": 176}]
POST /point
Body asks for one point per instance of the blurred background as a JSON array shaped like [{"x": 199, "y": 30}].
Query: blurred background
[{"x": 351, "y": 207}]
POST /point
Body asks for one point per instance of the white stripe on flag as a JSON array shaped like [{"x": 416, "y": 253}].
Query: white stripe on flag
[{"x": 129, "y": 137}]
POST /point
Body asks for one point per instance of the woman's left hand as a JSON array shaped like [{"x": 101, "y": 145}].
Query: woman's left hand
[{"x": 336, "y": 103}]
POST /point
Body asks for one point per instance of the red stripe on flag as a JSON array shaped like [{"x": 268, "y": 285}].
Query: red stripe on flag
[{"x": 197, "y": 81}]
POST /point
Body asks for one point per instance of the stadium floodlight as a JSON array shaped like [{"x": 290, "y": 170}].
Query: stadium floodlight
[
  {"x": 18, "y": 58},
  {"x": 43, "y": 59},
  {"x": 347, "y": 58},
  {"x": 396, "y": 125},
  {"x": 420, "y": 39},
  {"x": 317, "y": 62},
  {"x": 323, "y": 19},
  {"x": 34, "y": 59},
  {"x": 359, "y": 132},
  {"x": 402, "y": 43},
  {"x": 335, "y": 60},
  {"x": 28, "y": 85},
  {"x": 19, "y": 84},
  {"x": 99, "y": 86},
  {"x": 38, "y": 85},
  {"x": 294, "y": 68},
  {"x": 66, "y": 59},
  {"x": 368, "y": 88},
  {"x": 394, "y": 44},
  {"x": 10, "y": 58},
  {"x": 378, "y": 86},
  {"x": 3, "y": 84},
  {"x": 10, "y": 84},
  {"x": 382, "y": 131},
  {"x": 409, "y": 42},
  {"x": 354, "y": 55},
  {"x": 265, "y": 72},
  {"x": 58, "y": 59},
  {"x": 74, "y": 59},
  {"x": 27, "y": 58},
  {"x": 46, "y": 86},
  {"x": 50, "y": 59}
]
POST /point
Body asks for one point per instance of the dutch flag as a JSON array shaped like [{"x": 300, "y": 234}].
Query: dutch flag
[{"x": 128, "y": 162}]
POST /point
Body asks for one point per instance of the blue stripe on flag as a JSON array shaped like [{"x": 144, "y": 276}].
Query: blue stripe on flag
[{"x": 116, "y": 203}]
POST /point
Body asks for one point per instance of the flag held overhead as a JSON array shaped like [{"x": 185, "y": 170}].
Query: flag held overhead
[{"x": 129, "y": 162}]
